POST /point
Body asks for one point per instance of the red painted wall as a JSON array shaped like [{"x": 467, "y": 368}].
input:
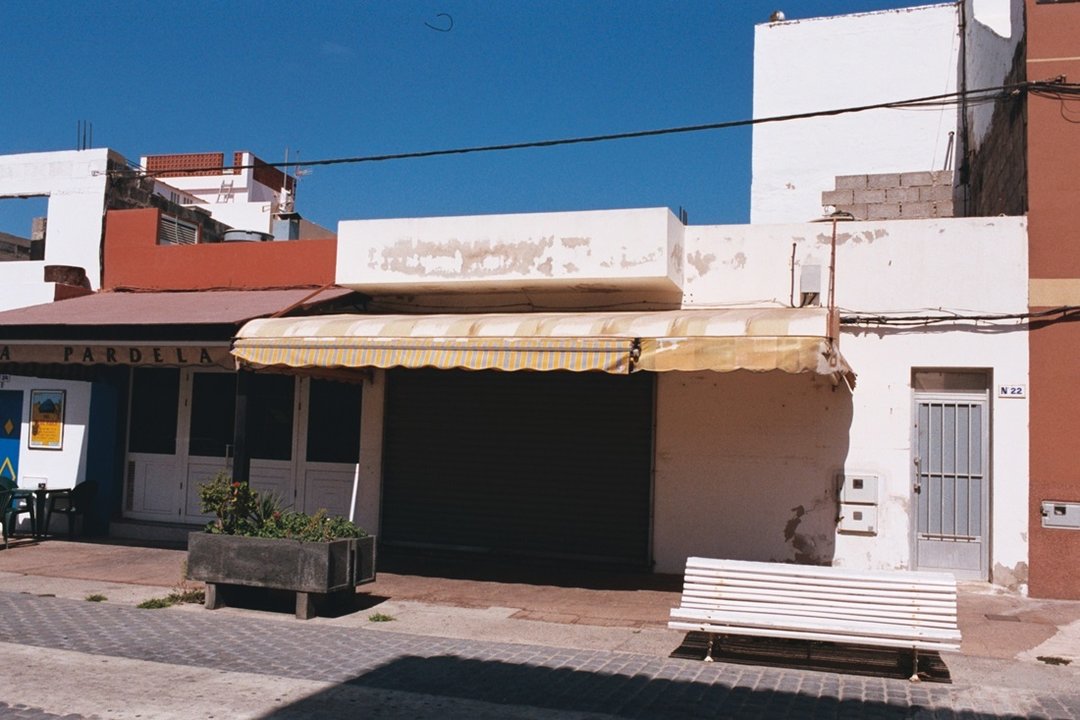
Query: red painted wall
[
  {"x": 133, "y": 259},
  {"x": 1053, "y": 49},
  {"x": 1054, "y": 555}
]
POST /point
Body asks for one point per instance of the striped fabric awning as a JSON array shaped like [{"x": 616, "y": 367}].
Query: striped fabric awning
[{"x": 795, "y": 340}]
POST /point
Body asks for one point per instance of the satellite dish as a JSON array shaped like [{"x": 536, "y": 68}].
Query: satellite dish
[{"x": 777, "y": 16}]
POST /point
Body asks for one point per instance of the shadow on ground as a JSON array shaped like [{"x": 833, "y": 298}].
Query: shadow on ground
[
  {"x": 528, "y": 571},
  {"x": 450, "y": 686},
  {"x": 813, "y": 655},
  {"x": 284, "y": 601}
]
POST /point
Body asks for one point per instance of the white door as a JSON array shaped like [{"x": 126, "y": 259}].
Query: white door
[
  {"x": 179, "y": 436},
  {"x": 328, "y": 445},
  {"x": 153, "y": 482},
  {"x": 208, "y": 407},
  {"x": 272, "y": 435},
  {"x": 303, "y": 440}
]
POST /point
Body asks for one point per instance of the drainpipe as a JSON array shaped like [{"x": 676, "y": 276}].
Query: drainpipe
[{"x": 834, "y": 316}]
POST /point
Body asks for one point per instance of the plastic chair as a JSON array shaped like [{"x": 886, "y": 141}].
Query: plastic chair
[
  {"x": 5, "y": 500},
  {"x": 17, "y": 501},
  {"x": 76, "y": 501}
]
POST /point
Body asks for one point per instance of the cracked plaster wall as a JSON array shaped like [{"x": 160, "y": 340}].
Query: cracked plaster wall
[
  {"x": 743, "y": 467},
  {"x": 591, "y": 251}
]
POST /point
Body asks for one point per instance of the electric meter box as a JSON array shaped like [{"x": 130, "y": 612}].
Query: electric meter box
[
  {"x": 859, "y": 488},
  {"x": 1062, "y": 515},
  {"x": 857, "y": 519}
]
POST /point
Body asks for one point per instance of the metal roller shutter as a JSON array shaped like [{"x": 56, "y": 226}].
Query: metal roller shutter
[{"x": 547, "y": 464}]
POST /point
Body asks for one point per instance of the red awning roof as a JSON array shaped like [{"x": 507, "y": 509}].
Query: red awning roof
[{"x": 209, "y": 307}]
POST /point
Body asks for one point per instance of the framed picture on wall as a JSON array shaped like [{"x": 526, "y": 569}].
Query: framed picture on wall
[{"x": 46, "y": 419}]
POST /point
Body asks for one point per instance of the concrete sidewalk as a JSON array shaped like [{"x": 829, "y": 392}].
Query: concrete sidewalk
[{"x": 615, "y": 612}]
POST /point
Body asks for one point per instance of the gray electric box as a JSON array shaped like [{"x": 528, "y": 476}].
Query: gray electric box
[
  {"x": 861, "y": 488},
  {"x": 857, "y": 519},
  {"x": 1063, "y": 515},
  {"x": 857, "y": 494}
]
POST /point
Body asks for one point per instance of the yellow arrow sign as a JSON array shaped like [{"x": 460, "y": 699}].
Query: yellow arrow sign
[{"x": 6, "y": 465}]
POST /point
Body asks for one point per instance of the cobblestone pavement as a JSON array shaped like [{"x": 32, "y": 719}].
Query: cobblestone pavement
[{"x": 360, "y": 666}]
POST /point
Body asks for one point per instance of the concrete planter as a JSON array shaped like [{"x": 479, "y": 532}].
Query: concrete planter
[{"x": 315, "y": 571}]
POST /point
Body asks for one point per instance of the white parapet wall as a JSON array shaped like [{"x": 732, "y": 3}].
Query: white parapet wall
[
  {"x": 75, "y": 183},
  {"x": 593, "y": 253}
]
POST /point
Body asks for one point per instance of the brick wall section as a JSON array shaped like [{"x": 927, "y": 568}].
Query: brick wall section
[
  {"x": 266, "y": 174},
  {"x": 893, "y": 196},
  {"x": 999, "y": 165},
  {"x": 185, "y": 164}
]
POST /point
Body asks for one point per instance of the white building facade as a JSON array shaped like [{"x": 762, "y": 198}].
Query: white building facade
[{"x": 737, "y": 458}]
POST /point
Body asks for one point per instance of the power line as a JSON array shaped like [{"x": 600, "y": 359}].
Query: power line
[
  {"x": 1059, "y": 90},
  {"x": 1039, "y": 317}
]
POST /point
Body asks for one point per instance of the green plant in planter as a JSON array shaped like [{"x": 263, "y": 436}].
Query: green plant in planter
[{"x": 239, "y": 510}]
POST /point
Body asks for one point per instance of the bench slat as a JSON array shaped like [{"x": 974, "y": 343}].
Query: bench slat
[
  {"x": 693, "y": 583},
  {"x": 945, "y": 621},
  {"x": 922, "y": 577},
  {"x": 812, "y": 606},
  {"x": 741, "y": 578},
  {"x": 795, "y": 593},
  {"x": 845, "y": 627},
  {"x": 826, "y": 637}
]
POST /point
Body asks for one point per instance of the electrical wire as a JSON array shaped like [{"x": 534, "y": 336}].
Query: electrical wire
[
  {"x": 1063, "y": 312},
  {"x": 1056, "y": 89}
]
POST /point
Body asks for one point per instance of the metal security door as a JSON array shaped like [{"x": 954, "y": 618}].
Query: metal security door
[
  {"x": 542, "y": 464},
  {"x": 952, "y": 485}
]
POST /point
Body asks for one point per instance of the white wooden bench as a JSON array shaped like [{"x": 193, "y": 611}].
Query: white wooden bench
[{"x": 901, "y": 609}]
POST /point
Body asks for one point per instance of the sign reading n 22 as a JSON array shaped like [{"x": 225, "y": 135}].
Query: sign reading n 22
[{"x": 1012, "y": 391}]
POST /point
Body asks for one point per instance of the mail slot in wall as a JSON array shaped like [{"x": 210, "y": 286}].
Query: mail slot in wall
[{"x": 1061, "y": 515}]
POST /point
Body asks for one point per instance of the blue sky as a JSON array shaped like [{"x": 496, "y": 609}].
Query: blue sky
[{"x": 333, "y": 79}]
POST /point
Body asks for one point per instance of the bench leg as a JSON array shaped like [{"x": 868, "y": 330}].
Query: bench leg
[
  {"x": 213, "y": 598},
  {"x": 708, "y": 649},
  {"x": 915, "y": 666},
  {"x": 305, "y": 605}
]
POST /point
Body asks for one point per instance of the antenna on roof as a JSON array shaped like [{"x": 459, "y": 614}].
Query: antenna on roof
[
  {"x": 288, "y": 199},
  {"x": 84, "y": 135}
]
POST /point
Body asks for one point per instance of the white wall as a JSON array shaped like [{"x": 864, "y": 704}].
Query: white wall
[
  {"x": 895, "y": 265},
  {"x": 838, "y": 62},
  {"x": 16, "y": 294},
  {"x": 58, "y": 468},
  {"x": 745, "y": 464},
  {"x": 243, "y": 216},
  {"x": 880, "y": 436},
  {"x": 75, "y": 183}
]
